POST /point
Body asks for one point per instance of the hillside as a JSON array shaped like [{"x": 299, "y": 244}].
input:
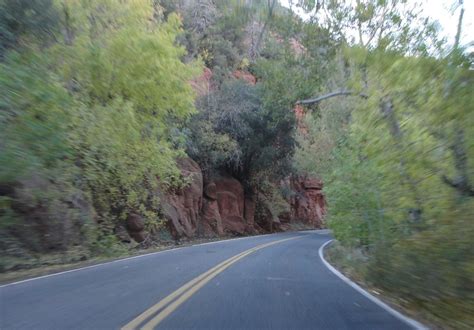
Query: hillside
[{"x": 130, "y": 125}]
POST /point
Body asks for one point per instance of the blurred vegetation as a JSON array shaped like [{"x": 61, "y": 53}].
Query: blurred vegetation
[
  {"x": 397, "y": 157},
  {"x": 96, "y": 105},
  {"x": 90, "y": 92}
]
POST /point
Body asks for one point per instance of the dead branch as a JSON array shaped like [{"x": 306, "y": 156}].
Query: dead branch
[{"x": 330, "y": 95}]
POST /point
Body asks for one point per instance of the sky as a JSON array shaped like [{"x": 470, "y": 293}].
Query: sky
[{"x": 440, "y": 10}]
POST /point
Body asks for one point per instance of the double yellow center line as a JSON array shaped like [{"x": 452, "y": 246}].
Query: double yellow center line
[{"x": 153, "y": 316}]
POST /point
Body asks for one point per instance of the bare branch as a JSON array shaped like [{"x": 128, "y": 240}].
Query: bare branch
[
  {"x": 330, "y": 95},
  {"x": 462, "y": 187}
]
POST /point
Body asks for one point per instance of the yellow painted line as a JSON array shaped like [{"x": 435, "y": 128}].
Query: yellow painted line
[
  {"x": 155, "y": 308},
  {"x": 170, "y": 303}
]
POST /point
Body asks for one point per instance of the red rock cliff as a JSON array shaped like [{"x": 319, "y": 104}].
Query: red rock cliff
[{"x": 307, "y": 201}]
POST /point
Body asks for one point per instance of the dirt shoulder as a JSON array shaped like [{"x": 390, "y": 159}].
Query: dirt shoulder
[
  {"x": 56, "y": 266},
  {"x": 42, "y": 270}
]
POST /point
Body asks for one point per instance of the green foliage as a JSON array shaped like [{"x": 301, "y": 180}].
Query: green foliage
[
  {"x": 24, "y": 21},
  {"x": 212, "y": 150},
  {"x": 133, "y": 91},
  {"x": 262, "y": 136},
  {"x": 33, "y": 118},
  {"x": 398, "y": 165},
  {"x": 214, "y": 31},
  {"x": 86, "y": 128},
  {"x": 398, "y": 176}
]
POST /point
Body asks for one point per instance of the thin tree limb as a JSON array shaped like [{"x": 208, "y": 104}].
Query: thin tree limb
[
  {"x": 330, "y": 95},
  {"x": 463, "y": 188}
]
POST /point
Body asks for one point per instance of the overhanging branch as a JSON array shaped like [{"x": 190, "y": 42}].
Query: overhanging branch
[
  {"x": 330, "y": 95},
  {"x": 463, "y": 187}
]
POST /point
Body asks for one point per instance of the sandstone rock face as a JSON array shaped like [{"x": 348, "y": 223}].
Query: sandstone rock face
[
  {"x": 182, "y": 208},
  {"x": 308, "y": 204},
  {"x": 210, "y": 191},
  {"x": 226, "y": 210},
  {"x": 230, "y": 196},
  {"x": 211, "y": 219},
  {"x": 220, "y": 207},
  {"x": 230, "y": 199},
  {"x": 249, "y": 210}
]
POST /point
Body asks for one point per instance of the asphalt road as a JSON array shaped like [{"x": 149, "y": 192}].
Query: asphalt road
[{"x": 283, "y": 285}]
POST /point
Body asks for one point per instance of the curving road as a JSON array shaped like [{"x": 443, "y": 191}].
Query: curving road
[{"x": 265, "y": 282}]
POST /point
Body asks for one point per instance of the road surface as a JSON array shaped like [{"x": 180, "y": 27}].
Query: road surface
[{"x": 265, "y": 282}]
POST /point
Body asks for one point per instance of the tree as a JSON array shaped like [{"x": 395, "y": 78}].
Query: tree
[
  {"x": 398, "y": 168},
  {"x": 26, "y": 21},
  {"x": 87, "y": 124}
]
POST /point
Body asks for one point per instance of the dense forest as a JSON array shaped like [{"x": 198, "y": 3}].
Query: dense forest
[{"x": 116, "y": 115}]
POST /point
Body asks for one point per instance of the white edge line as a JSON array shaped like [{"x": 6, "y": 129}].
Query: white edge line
[
  {"x": 415, "y": 324},
  {"x": 127, "y": 258}
]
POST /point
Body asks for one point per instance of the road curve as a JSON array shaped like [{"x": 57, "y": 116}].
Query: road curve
[{"x": 265, "y": 282}]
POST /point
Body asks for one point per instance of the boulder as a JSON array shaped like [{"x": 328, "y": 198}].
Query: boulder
[
  {"x": 135, "y": 223},
  {"x": 235, "y": 225}
]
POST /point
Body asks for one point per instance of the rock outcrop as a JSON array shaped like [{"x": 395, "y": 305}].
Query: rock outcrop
[
  {"x": 203, "y": 84},
  {"x": 308, "y": 204},
  {"x": 230, "y": 198},
  {"x": 211, "y": 218},
  {"x": 182, "y": 208},
  {"x": 220, "y": 207}
]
